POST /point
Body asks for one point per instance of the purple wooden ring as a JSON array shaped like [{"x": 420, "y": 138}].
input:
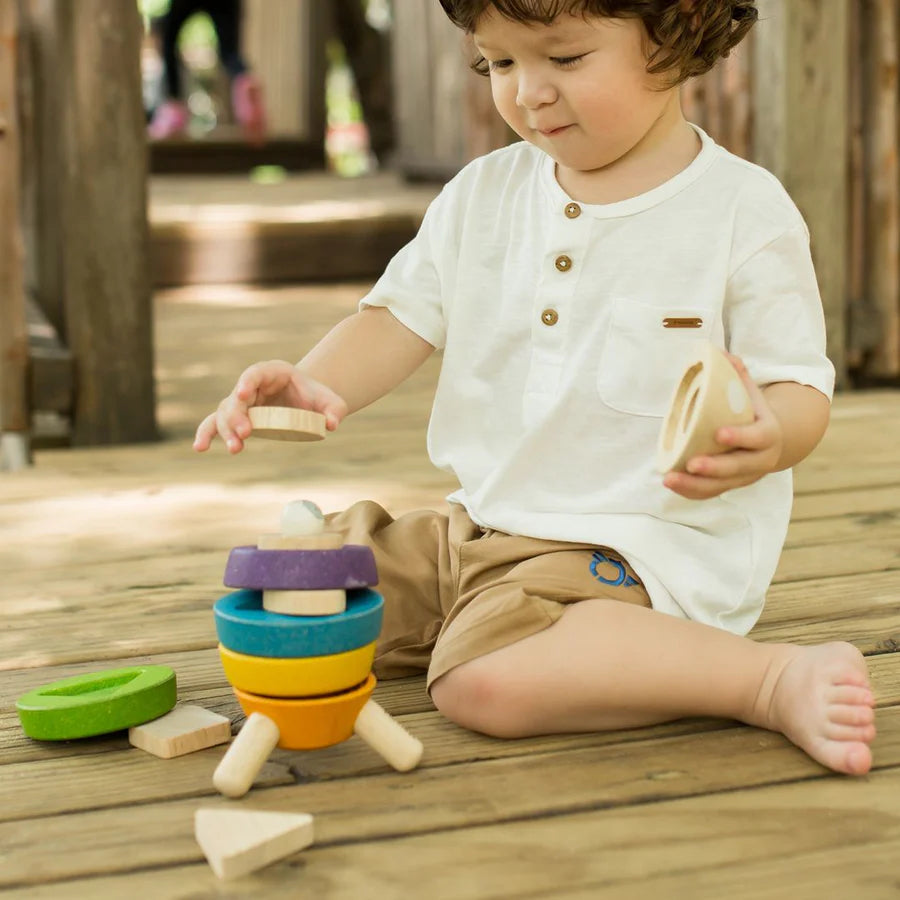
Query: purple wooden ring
[{"x": 351, "y": 566}]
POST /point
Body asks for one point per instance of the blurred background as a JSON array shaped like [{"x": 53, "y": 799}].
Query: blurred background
[{"x": 152, "y": 146}]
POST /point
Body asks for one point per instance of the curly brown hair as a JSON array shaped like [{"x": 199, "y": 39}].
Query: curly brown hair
[{"x": 690, "y": 36}]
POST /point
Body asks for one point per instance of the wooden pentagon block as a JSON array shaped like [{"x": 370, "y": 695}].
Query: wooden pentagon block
[
  {"x": 239, "y": 841},
  {"x": 284, "y": 423},
  {"x": 183, "y": 730},
  {"x": 328, "y": 540},
  {"x": 305, "y": 603}
]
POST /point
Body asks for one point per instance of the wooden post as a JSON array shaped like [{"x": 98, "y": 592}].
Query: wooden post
[
  {"x": 41, "y": 176},
  {"x": 285, "y": 46},
  {"x": 105, "y": 251},
  {"x": 883, "y": 183},
  {"x": 443, "y": 110},
  {"x": 801, "y": 133},
  {"x": 14, "y": 416}
]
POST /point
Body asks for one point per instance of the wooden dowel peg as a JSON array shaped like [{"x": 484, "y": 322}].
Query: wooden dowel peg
[
  {"x": 246, "y": 756},
  {"x": 387, "y": 737}
]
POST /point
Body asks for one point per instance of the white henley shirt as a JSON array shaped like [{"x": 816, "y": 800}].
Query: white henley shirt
[{"x": 557, "y": 369}]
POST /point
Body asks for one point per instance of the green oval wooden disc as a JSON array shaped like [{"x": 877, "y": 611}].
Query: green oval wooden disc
[{"x": 97, "y": 703}]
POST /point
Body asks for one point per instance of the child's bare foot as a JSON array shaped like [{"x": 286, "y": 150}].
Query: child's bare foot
[{"x": 819, "y": 698}]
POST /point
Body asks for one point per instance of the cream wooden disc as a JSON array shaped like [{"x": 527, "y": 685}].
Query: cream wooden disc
[
  {"x": 284, "y": 423},
  {"x": 305, "y": 603},
  {"x": 709, "y": 396},
  {"x": 328, "y": 540}
]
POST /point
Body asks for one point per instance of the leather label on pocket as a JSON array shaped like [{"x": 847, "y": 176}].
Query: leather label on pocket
[{"x": 691, "y": 322}]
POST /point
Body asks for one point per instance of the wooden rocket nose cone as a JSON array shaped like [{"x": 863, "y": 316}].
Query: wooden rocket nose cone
[{"x": 709, "y": 396}]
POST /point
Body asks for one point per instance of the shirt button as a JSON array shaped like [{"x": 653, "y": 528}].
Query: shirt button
[
  {"x": 573, "y": 210},
  {"x": 549, "y": 316},
  {"x": 563, "y": 263}
]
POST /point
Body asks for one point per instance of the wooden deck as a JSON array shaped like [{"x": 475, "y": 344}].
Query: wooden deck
[{"x": 112, "y": 556}]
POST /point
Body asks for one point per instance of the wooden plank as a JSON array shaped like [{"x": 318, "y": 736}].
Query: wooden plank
[
  {"x": 801, "y": 134},
  {"x": 872, "y": 500},
  {"x": 601, "y": 849},
  {"x": 851, "y": 871},
  {"x": 867, "y": 545},
  {"x": 88, "y": 843},
  {"x": 862, "y": 608},
  {"x": 14, "y": 411},
  {"x": 404, "y": 698}
]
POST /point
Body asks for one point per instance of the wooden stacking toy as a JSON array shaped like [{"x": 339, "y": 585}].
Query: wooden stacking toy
[
  {"x": 709, "y": 396},
  {"x": 297, "y": 641}
]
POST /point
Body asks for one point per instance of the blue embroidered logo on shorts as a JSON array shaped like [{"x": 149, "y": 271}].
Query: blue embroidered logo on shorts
[{"x": 622, "y": 578}]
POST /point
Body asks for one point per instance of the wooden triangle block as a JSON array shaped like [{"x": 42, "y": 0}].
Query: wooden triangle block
[{"x": 238, "y": 841}]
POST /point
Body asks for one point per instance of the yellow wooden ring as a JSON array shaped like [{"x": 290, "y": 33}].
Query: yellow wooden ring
[
  {"x": 313, "y": 723},
  {"x": 303, "y": 676}
]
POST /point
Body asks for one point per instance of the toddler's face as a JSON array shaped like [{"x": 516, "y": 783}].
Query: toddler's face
[{"x": 577, "y": 88}]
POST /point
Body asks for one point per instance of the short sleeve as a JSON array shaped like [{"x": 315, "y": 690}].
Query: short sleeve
[
  {"x": 773, "y": 314},
  {"x": 415, "y": 280}
]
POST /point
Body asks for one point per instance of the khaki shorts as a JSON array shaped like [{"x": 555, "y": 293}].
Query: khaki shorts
[{"x": 454, "y": 591}]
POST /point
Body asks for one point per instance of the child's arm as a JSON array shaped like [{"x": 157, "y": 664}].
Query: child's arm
[
  {"x": 365, "y": 357},
  {"x": 790, "y": 421},
  {"x": 361, "y": 359}
]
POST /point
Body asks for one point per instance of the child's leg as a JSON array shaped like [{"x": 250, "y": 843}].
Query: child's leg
[{"x": 607, "y": 665}]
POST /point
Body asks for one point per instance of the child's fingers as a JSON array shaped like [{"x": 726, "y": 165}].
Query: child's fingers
[
  {"x": 734, "y": 464},
  {"x": 206, "y": 431},
  {"x": 262, "y": 380},
  {"x": 699, "y": 487},
  {"x": 333, "y": 407},
  {"x": 755, "y": 436},
  {"x": 757, "y": 398}
]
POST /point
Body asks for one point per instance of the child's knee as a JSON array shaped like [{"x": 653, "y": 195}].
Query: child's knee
[{"x": 482, "y": 697}]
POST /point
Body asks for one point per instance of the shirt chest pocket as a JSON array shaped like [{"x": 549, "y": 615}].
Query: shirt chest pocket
[{"x": 645, "y": 352}]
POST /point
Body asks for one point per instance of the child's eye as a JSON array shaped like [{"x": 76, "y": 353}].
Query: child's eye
[
  {"x": 565, "y": 62},
  {"x": 494, "y": 64}
]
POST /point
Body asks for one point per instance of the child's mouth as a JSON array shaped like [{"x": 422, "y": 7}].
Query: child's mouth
[{"x": 552, "y": 132}]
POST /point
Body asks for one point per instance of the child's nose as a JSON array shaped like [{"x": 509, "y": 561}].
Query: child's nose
[{"x": 534, "y": 90}]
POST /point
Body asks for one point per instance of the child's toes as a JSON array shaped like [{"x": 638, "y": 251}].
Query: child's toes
[
  {"x": 835, "y": 731},
  {"x": 857, "y": 759},
  {"x": 851, "y": 695},
  {"x": 842, "y": 714},
  {"x": 850, "y": 757}
]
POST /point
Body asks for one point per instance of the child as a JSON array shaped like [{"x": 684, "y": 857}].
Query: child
[
  {"x": 171, "y": 117},
  {"x": 571, "y": 588}
]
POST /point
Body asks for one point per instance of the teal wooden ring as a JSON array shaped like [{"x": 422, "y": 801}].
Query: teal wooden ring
[
  {"x": 97, "y": 703},
  {"x": 243, "y": 625}
]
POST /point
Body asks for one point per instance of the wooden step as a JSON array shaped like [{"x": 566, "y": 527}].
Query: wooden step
[{"x": 306, "y": 227}]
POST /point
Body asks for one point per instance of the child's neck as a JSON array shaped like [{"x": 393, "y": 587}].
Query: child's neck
[{"x": 668, "y": 148}]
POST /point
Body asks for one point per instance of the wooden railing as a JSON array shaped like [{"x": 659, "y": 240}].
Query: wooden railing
[{"x": 722, "y": 103}]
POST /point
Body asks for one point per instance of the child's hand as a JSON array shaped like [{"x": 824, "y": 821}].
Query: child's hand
[
  {"x": 756, "y": 451},
  {"x": 273, "y": 383}
]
